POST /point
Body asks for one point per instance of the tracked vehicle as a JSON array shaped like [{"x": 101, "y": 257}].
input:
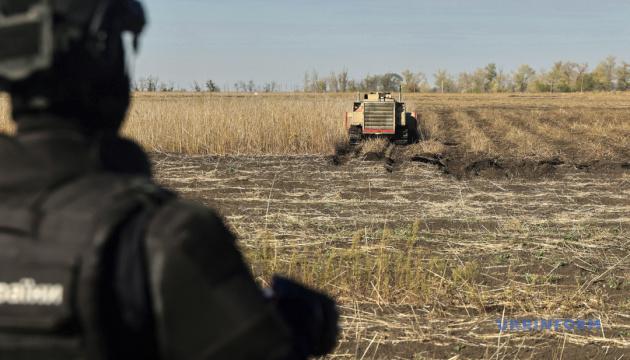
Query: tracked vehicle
[{"x": 379, "y": 114}]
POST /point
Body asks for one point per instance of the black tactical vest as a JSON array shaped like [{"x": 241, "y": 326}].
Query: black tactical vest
[
  {"x": 51, "y": 264},
  {"x": 56, "y": 240}
]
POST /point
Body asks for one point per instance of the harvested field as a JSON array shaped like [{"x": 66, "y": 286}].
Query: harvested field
[
  {"x": 532, "y": 222},
  {"x": 514, "y": 207},
  {"x": 491, "y": 135},
  {"x": 531, "y": 143},
  {"x": 424, "y": 264}
]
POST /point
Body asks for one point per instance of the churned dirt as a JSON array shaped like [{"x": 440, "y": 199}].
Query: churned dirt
[{"x": 527, "y": 141}]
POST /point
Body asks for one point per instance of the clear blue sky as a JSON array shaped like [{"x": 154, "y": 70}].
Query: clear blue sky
[{"x": 265, "y": 40}]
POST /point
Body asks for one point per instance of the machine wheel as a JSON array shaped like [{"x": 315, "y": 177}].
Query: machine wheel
[
  {"x": 355, "y": 134},
  {"x": 402, "y": 136},
  {"x": 412, "y": 130}
]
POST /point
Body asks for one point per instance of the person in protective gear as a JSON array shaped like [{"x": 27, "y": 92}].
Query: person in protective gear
[{"x": 97, "y": 261}]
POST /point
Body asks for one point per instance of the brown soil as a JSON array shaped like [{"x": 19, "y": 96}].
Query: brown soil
[
  {"x": 571, "y": 157},
  {"x": 516, "y": 206},
  {"x": 554, "y": 246}
]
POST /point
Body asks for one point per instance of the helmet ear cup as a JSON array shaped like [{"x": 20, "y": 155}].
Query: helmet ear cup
[
  {"x": 86, "y": 77},
  {"x": 9, "y": 7},
  {"x": 26, "y": 39},
  {"x": 32, "y": 32}
]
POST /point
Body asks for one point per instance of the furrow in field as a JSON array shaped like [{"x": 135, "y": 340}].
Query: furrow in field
[{"x": 596, "y": 129}]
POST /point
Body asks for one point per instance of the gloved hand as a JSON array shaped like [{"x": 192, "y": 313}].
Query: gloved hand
[{"x": 312, "y": 316}]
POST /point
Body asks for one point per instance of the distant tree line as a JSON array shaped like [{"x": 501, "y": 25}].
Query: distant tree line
[
  {"x": 563, "y": 76},
  {"x": 153, "y": 84}
]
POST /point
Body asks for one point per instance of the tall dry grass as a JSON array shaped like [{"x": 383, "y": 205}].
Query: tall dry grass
[
  {"x": 243, "y": 124},
  {"x": 312, "y": 123},
  {"x": 528, "y": 125}
]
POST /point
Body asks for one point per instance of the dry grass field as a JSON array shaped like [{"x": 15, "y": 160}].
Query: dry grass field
[
  {"x": 236, "y": 124},
  {"x": 525, "y": 215},
  {"x": 424, "y": 264},
  {"x": 514, "y": 207},
  {"x": 507, "y": 135}
]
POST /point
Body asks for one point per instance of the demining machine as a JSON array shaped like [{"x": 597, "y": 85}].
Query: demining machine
[{"x": 378, "y": 114}]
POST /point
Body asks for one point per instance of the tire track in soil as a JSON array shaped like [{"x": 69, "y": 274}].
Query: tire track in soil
[
  {"x": 620, "y": 151},
  {"x": 390, "y": 155},
  {"x": 569, "y": 152},
  {"x": 564, "y": 151},
  {"x": 510, "y": 123},
  {"x": 558, "y": 145},
  {"x": 457, "y": 157},
  {"x": 507, "y": 146},
  {"x": 463, "y": 163},
  {"x": 344, "y": 152},
  {"x": 470, "y": 128},
  {"x": 509, "y": 163},
  {"x": 448, "y": 126},
  {"x": 501, "y": 144},
  {"x": 469, "y": 162},
  {"x": 460, "y": 162}
]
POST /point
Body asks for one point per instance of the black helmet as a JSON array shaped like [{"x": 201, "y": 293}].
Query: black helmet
[{"x": 67, "y": 57}]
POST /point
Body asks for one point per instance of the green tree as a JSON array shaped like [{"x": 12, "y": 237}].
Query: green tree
[
  {"x": 502, "y": 82},
  {"x": 270, "y": 87},
  {"x": 465, "y": 82},
  {"x": 444, "y": 81},
  {"x": 211, "y": 86},
  {"x": 479, "y": 80},
  {"x": 342, "y": 80},
  {"x": 150, "y": 83},
  {"x": 568, "y": 77},
  {"x": 554, "y": 76},
  {"x": 320, "y": 85},
  {"x": 371, "y": 83},
  {"x": 491, "y": 77},
  {"x": 352, "y": 86},
  {"x": 390, "y": 82},
  {"x": 604, "y": 74},
  {"x": 167, "y": 86},
  {"x": 622, "y": 73},
  {"x": 413, "y": 82},
  {"x": 409, "y": 81},
  {"x": 582, "y": 72},
  {"x": 523, "y": 77}
]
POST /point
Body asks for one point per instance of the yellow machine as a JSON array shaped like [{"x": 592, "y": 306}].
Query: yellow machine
[{"x": 379, "y": 114}]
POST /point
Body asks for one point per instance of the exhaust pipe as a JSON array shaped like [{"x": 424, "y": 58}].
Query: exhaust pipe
[{"x": 399, "y": 93}]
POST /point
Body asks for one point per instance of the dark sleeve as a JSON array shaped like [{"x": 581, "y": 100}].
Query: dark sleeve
[{"x": 206, "y": 302}]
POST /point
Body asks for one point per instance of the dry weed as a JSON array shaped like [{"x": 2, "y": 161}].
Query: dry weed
[
  {"x": 373, "y": 146},
  {"x": 243, "y": 124}
]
